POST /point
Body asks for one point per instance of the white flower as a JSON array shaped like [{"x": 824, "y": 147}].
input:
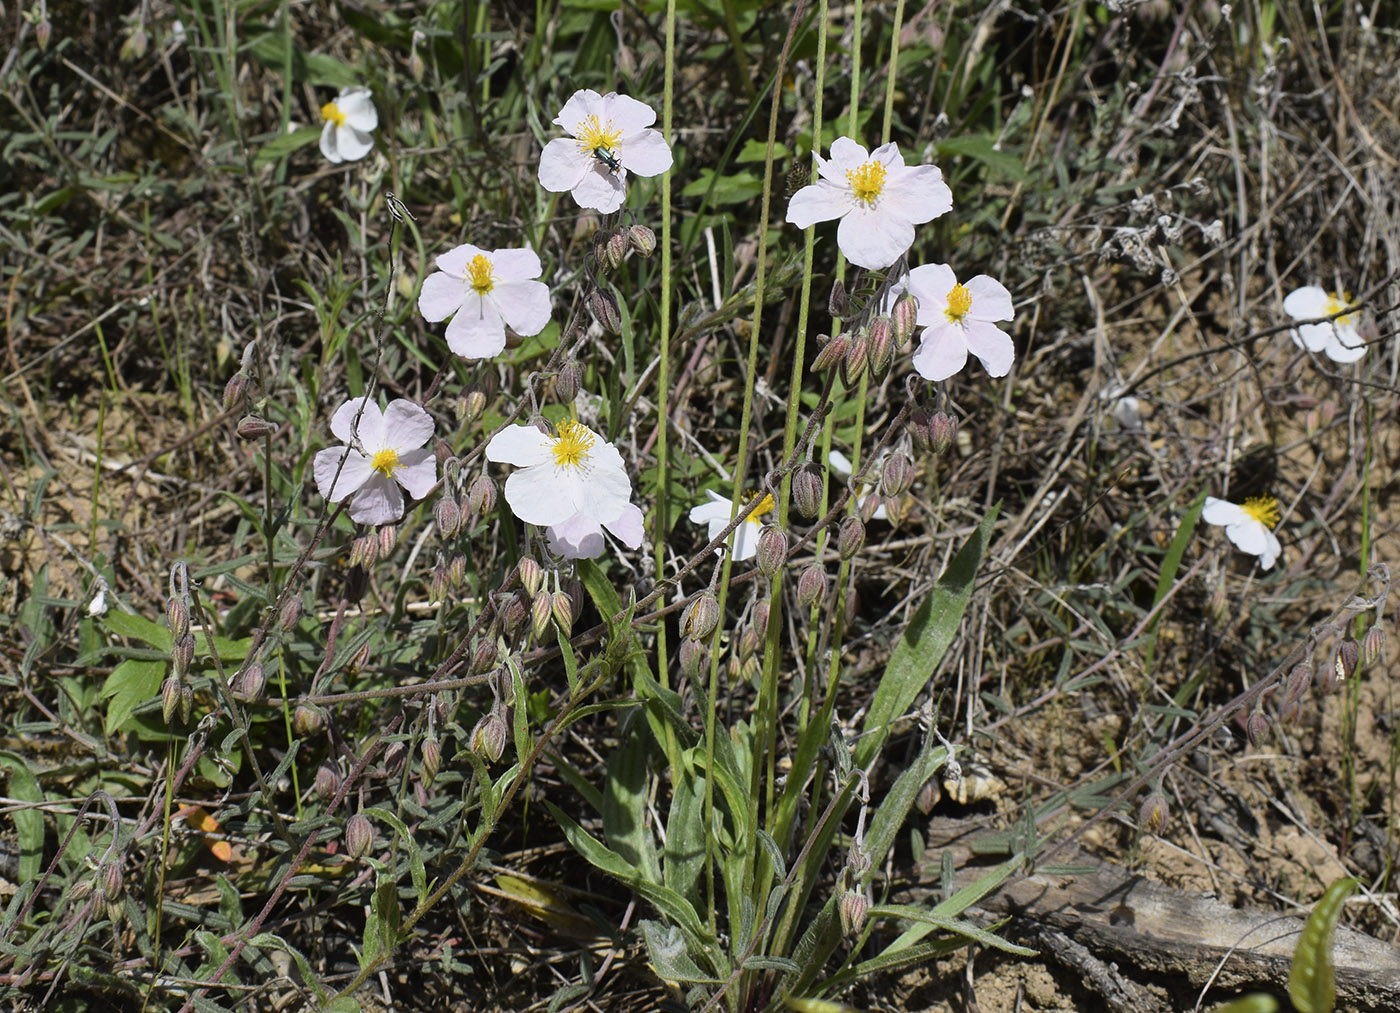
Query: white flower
[
  {"x": 878, "y": 198},
  {"x": 349, "y": 120},
  {"x": 1337, "y": 339},
  {"x": 716, "y": 513},
  {"x": 561, "y": 477},
  {"x": 610, "y": 136},
  {"x": 582, "y": 538},
  {"x": 384, "y": 451},
  {"x": 841, "y": 464},
  {"x": 486, "y": 290},
  {"x": 1248, "y": 525},
  {"x": 958, "y": 319}
]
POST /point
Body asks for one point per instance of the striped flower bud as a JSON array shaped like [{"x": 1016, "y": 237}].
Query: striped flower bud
[
  {"x": 307, "y": 720},
  {"x": 1152, "y": 814},
  {"x": 853, "y": 366},
  {"x": 473, "y": 404},
  {"x": 694, "y": 656},
  {"x": 700, "y": 617},
  {"x": 760, "y": 617},
  {"x": 359, "y": 836},
  {"x": 831, "y": 353},
  {"x": 182, "y": 654},
  {"x": 881, "y": 351},
  {"x": 568, "y": 382},
  {"x": 290, "y": 614},
  {"x": 530, "y": 574},
  {"x": 771, "y": 554},
  {"x": 481, "y": 496},
  {"x": 853, "y": 908},
  {"x": 1348, "y": 655},
  {"x": 109, "y": 881},
  {"x": 1257, "y": 729},
  {"x": 1372, "y": 645},
  {"x": 807, "y": 490},
  {"x": 489, "y": 737},
  {"x": 456, "y": 571},
  {"x": 484, "y": 656},
  {"x": 643, "y": 240},
  {"x": 903, "y": 318},
  {"x": 447, "y": 515},
  {"x": 616, "y": 248},
  {"x": 169, "y": 699},
  {"x": 1299, "y": 679},
  {"x": 327, "y": 782},
  {"x": 515, "y": 613},
  {"x": 942, "y": 432},
  {"x": 431, "y": 751},
  {"x": 852, "y": 537},
  {"x": 388, "y": 535},
  {"x": 562, "y": 608},
  {"x": 249, "y": 683},
  {"x": 254, "y": 427},
  {"x": 541, "y": 611},
  {"x": 235, "y": 389},
  {"x": 897, "y": 475},
  {"x": 811, "y": 586},
  {"x": 603, "y": 305},
  {"x": 177, "y": 617}
]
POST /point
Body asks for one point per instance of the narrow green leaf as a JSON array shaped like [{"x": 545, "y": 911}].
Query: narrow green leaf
[
  {"x": 624, "y": 804},
  {"x": 1312, "y": 984},
  {"x": 29, "y": 823},
  {"x": 1171, "y": 562},
  {"x": 1256, "y": 1002}
]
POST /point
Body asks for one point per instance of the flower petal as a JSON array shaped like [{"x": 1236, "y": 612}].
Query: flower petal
[
  {"x": 522, "y": 446},
  {"x": 417, "y": 472},
  {"x": 601, "y": 189},
  {"x": 582, "y": 104},
  {"x": 629, "y": 526},
  {"x": 942, "y": 352},
  {"x": 1220, "y": 511},
  {"x": 1305, "y": 303},
  {"x": 406, "y": 425},
  {"x": 477, "y": 331},
  {"x": 562, "y": 165},
  {"x": 917, "y": 194},
  {"x": 1249, "y": 536},
  {"x": 524, "y": 305},
  {"x": 718, "y": 509},
  {"x": 369, "y": 429},
  {"x": 820, "y": 202},
  {"x": 378, "y": 501},
  {"x": 872, "y": 239},
  {"x": 576, "y": 538},
  {"x": 627, "y": 114},
  {"x": 515, "y": 265},
  {"x": 456, "y": 260},
  {"x": 845, "y": 154},
  {"x": 991, "y": 345},
  {"x": 602, "y": 493},
  {"x": 990, "y": 299},
  {"x": 647, "y": 154},
  {"x": 353, "y": 145},
  {"x": 745, "y": 540},
  {"x": 1313, "y": 337},
  {"x": 328, "y": 142},
  {"x": 1272, "y": 550},
  {"x": 354, "y": 474},
  {"x": 357, "y": 105},
  {"x": 930, "y": 284},
  {"x": 537, "y": 496},
  {"x": 441, "y": 296},
  {"x": 840, "y": 463},
  {"x": 1340, "y": 349}
]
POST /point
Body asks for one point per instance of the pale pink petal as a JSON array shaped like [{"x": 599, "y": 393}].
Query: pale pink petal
[
  {"x": 941, "y": 352},
  {"x": 990, "y": 299},
  {"x": 629, "y": 526},
  {"x": 417, "y": 472},
  {"x": 328, "y": 142},
  {"x": 562, "y": 165},
  {"x": 378, "y": 501},
  {"x": 522, "y": 446},
  {"x": 581, "y": 105},
  {"x": 820, "y": 202},
  {"x": 1219, "y": 511},
  {"x": 357, "y": 105},
  {"x": 627, "y": 114},
  {"x": 456, "y": 260},
  {"x": 1305, "y": 303},
  {"x": 872, "y": 239},
  {"x": 524, "y": 305},
  {"x": 369, "y": 428},
  {"x": 576, "y": 538},
  {"x": 540, "y": 495},
  {"x": 441, "y": 296},
  {"x": 992, "y": 346},
  {"x": 601, "y": 189},
  {"x": 647, "y": 154},
  {"x": 352, "y": 144},
  {"x": 515, "y": 265},
  {"x": 406, "y": 425},
  {"x": 477, "y": 331},
  {"x": 354, "y": 474}
]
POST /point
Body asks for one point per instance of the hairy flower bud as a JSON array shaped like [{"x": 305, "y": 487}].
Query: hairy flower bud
[
  {"x": 748, "y": 644},
  {"x": 1299, "y": 679},
  {"x": 903, "y": 318},
  {"x": 615, "y": 249},
  {"x": 853, "y": 908},
  {"x": 359, "y": 836},
  {"x": 603, "y": 305},
  {"x": 290, "y": 614},
  {"x": 942, "y": 432},
  {"x": 857, "y": 359},
  {"x": 177, "y": 617},
  {"x": 249, "y": 683},
  {"x": 135, "y": 45},
  {"x": 1348, "y": 655},
  {"x": 307, "y": 720},
  {"x": 235, "y": 389},
  {"x": 432, "y": 760},
  {"x": 837, "y": 303},
  {"x": 562, "y": 607},
  {"x": 488, "y": 738},
  {"x": 484, "y": 657},
  {"x": 515, "y": 613},
  {"x": 807, "y": 490},
  {"x": 394, "y": 756},
  {"x": 473, "y": 404},
  {"x": 169, "y": 698},
  {"x": 852, "y": 537},
  {"x": 1257, "y": 729},
  {"x": 541, "y": 611},
  {"x": 1152, "y": 814},
  {"x": 182, "y": 654},
  {"x": 760, "y": 617},
  {"x": 897, "y": 475},
  {"x": 481, "y": 497},
  {"x": 456, "y": 571},
  {"x": 700, "y": 617},
  {"x": 254, "y": 427},
  {"x": 771, "y": 553},
  {"x": 881, "y": 351},
  {"x": 447, "y": 515},
  {"x": 694, "y": 657},
  {"x": 43, "y": 32},
  {"x": 327, "y": 782},
  {"x": 387, "y": 536},
  {"x": 811, "y": 586},
  {"x": 832, "y": 353},
  {"x": 530, "y": 574},
  {"x": 109, "y": 880},
  {"x": 1372, "y": 645},
  {"x": 568, "y": 382},
  {"x": 643, "y": 240}
]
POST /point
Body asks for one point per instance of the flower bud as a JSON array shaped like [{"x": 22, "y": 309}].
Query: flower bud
[
  {"x": 1290, "y": 712},
  {"x": 903, "y": 318},
  {"x": 109, "y": 881},
  {"x": 541, "y": 611},
  {"x": 562, "y": 607},
  {"x": 416, "y": 67},
  {"x": 327, "y": 782},
  {"x": 437, "y": 581},
  {"x": 235, "y": 389},
  {"x": 577, "y": 597},
  {"x": 482, "y": 495},
  {"x": 897, "y": 475},
  {"x": 853, "y": 909},
  {"x": 80, "y": 891},
  {"x": 881, "y": 352},
  {"x": 249, "y": 683},
  {"x": 832, "y": 353},
  {"x": 807, "y": 490},
  {"x": 748, "y": 644},
  {"x": 603, "y": 305},
  {"x": 484, "y": 657},
  {"x": 177, "y": 617},
  {"x": 643, "y": 240},
  {"x": 1299, "y": 679},
  {"x": 1329, "y": 676},
  {"x": 515, "y": 613},
  {"x": 169, "y": 699},
  {"x": 1152, "y": 814},
  {"x": 43, "y": 32},
  {"x": 568, "y": 382},
  {"x": 291, "y": 613},
  {"x": 694, "y": 657},
  {"x": 307, "y": 720},
  {"x": 852, "y": 606},
  {"x": 530, "y": 574},
  {"x": 1372, "y": 645},
  {"x": 873, "y": 502},
  {"x": 837, "y": 303},
  {"x": 616, "y": 248},
  {"x": 394, "y": 757},
  {"x": 1348, "y": 654},
  {"x": 852, "y": 537},
  {"x": 473, "y": 404},
  {"x": 760, "y": 617},
  {"x": 359, "y": 836},
  {"x": 388, "y": 535},
  {"x": 182, "y": 654},
  {"x": 771, "y": 553},
  {"x": 700, "y": 617},
  {"x": 942, "y": 432},
  {"x": 135, "y": 45},
  {"x": 917, "y": 426},
  {"x": 1256, "y": 729},
  {"x": 447, "y": 515},
  {"x": 367, "y": 548},
  {"x": 854, "y": 364},
  {"x": 811, "y": 586},
  {"x": 489, "y": 737},
  {"x": 254, "y": 427},
  {"x": 432, "y": 760}
]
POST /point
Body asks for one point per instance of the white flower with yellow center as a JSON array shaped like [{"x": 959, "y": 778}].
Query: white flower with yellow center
[
  {"x": 349, "y": 121},
  {"x": 484, "y": 291},
  {"x": 958, "y": 319},
  {"x": 610, "y": 136},
  {"x": 1337, "y": 339},
  {"x": 878, "y": 198},
  {"x": 1248, "y": 525},
  {"x": 561, "y": 478},
  {"x": 582, "y": 538},
  {"x": 716, "y": 513},
  {"x": 384, "y": 450}
]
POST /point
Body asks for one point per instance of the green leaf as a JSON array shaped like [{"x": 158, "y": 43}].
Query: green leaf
[
  {"x": 927, "y": 637},
  {"x": 981, "y": 148},
  {"x": 624, "y": 805},
  {"x": 124, "y": 624},
  {"x": 735, "y": 188},
  {"x": 382, "y": 925},
  {"x": 280, "y": 147},
  {"x": 666, "y": 947},
  {"x": 755, "y": 150},
  {"x": 1255, "y": 1002},
  {"x": 29, "y": 823},
  {"x": 967, "y": 929},
  {"x": 1312, "y": 984},
  {"x": 128, "y": 686},
  {"x": 1171, "y": 562}
]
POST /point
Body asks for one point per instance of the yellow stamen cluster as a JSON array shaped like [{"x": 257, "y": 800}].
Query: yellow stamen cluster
[
  {"x": 572, "y": 445},
  {"x": 867, "y": 181},
  {"x": 479, "y": 274},
  {"x": 1263, "y": 509},
  {"x": 331, "y": 111},
  {"x": 592, "y": 135},
  {"x": 766, "y": 506},
  {"x": 1338, "y": 301},
  {"x": 959, "y": 303},
  {"x": 385, "y": 461}
]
